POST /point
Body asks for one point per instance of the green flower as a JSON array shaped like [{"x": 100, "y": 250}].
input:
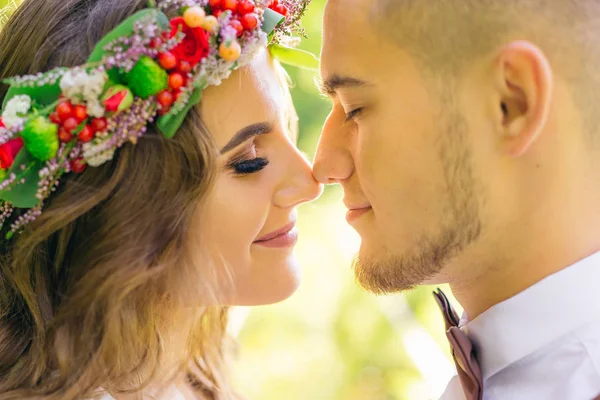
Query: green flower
[
  {"x": 40, "y": 136},
  {"x": 147, "y": 78}
]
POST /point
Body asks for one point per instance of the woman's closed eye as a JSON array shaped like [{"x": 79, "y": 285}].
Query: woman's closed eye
[{"x": 248, "y": 162}]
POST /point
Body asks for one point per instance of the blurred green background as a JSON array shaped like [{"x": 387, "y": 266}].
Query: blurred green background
[{"x": 331, "y": 340}]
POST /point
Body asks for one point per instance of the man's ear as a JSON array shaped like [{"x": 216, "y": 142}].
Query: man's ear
[{"x": 523, "y": 88}]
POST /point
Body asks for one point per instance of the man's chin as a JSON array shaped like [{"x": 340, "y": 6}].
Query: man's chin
[
  {"x": 380, "y": 275},
  {"x": 386, "y": 272}
]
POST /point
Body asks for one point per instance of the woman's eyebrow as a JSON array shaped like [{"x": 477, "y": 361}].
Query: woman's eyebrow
[{"x": 246, "y": 133}]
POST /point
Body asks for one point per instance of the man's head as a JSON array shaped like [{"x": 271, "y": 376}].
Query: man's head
[{"x": 456, "y": 128}]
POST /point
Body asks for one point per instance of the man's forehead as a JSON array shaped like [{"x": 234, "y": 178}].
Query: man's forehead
[
  {"x": 340, "y": 13},
  {"x": 346, "y": 32}
]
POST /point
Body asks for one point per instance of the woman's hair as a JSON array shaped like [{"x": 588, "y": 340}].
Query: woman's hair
[{"x": 90, "y": 291}]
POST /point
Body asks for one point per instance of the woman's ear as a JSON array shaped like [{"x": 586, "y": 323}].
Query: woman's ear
[{"x": 524, "y": 87}]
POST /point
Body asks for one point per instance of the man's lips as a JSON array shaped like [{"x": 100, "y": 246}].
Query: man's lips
[{"x": 356, "y": 209}]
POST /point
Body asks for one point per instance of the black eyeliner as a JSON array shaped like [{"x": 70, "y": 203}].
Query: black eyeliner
[{"x": 246, "y": 167}]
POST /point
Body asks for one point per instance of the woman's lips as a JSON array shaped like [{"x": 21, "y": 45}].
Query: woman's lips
[{"x": 284, "y": 237}]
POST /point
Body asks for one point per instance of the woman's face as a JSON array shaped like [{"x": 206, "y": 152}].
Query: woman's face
[{"x": 249, "y": 216}]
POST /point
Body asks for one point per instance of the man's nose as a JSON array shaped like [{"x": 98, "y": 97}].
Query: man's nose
[{"x": 333, "y": 161}]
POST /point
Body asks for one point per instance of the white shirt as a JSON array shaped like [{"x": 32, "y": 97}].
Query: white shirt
[{"x": 543, "y": 343}]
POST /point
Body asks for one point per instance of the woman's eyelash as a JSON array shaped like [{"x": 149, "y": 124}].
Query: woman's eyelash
[
  {"x": 353, "y": 114},
  {"x": 245, "y": 167}
]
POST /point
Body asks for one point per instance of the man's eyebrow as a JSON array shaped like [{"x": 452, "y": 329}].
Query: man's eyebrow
[
  {"x": 246, "y": 133},
  {"x": 333, "y": 83}
]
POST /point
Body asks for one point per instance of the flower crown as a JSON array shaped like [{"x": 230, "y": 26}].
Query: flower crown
[{"x": 149, "y": 69}]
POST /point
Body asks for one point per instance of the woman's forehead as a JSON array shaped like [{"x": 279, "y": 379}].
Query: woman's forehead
[{"x": 250, "y": 95}]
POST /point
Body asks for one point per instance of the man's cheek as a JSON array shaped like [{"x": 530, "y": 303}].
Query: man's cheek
[{"x": 370, "y": 155}]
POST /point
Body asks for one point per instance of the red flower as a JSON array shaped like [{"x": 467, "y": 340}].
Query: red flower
[
  {"x": 112, "y": 103},
  {"x": 8, "y": 152},
  {"x": 194, "y": 46}
]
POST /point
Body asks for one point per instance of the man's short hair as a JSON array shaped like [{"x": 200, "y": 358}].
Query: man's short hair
[{"x": 445, "y": 35}]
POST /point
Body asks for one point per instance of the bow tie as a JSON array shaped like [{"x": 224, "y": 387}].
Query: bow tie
[{"x": 463, "y": 351}]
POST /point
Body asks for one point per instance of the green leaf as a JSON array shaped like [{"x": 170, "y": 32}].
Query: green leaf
[
  {"x": 41, "y": 95},
  {"x": 295, "y": 57},
  {"x": 169, "y": 124},
  {"x": 22, "y": 195},
  {"x": 271, "y": 20},
  {"x": 126, "y": 29}
]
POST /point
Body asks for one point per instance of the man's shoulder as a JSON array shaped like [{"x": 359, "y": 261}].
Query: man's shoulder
[{"x": 588, "y": 337}]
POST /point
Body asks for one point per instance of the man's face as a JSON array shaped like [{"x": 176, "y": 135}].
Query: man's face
[{"x": 400, "y": 148}]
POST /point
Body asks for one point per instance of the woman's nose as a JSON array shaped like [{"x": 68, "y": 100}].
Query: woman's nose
[{"x": 299, "y": 185}]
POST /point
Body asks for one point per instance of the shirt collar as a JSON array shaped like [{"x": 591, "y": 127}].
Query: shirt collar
[{"x": 523, "y": 324}]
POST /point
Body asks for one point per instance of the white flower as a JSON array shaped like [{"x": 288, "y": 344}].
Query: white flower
[
  {"x": 18, "y": 105},
  {"x": 94, "y": 85},
  {"x": 99, "y": 159},
  {"x": 218, "y": 70},
  {"x": 95, "y": 158},
  {"x": 252, "y": 47},
  {"x": 77, "y": 85},
  {"x": 15, "y": 110},
  {"x": 67, "y": 81},
  {"x": 70, "y": 84},
  {"x": 80, "y": 77},
  {"x": 11, "y": 121},
  {"x": 95, "y": 108}
]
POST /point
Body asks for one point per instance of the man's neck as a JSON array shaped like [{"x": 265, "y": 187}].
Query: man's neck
[{"x": 483, "y": 286}]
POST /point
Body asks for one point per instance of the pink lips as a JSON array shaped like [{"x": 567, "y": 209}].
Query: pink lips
[
  {"x": 356, "y": 213},
  {"x": 284, "y": 237}
]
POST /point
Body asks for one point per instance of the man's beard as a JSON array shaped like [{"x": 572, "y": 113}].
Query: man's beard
[{"x": 388, "y": 272}]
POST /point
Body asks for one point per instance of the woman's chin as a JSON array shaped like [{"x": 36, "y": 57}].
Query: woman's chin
[{"x": 272, "y": 285}]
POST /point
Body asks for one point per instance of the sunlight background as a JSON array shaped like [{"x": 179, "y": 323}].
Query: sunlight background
[{"x": 331, "y": 340}]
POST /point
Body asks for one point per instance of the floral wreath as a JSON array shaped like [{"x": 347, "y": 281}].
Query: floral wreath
[{"x": 149, "y": 69}]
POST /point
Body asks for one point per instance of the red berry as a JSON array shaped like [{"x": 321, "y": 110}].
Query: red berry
[
  {"x": 86, "y": 134},
  {"x": 165, "y": 99},
  {"x": 2, "y": 123},
  {"x": 176, "y": 80},
  {"x": 237, "y": 25},
  {"x": 80, "y": 113},
  {"x": 164, "y": 110},
  {"x": 167, "y": 60},
  {"x": 156, "y": 43},
  {"x": 184, "y": 67},
  {"x": 245, "y": 7},
  {"x": 281, "y": 9},
  {"x": 229, "y": 5},
  {"x": 77, "y": 165},
  {"x": 70, "y": 124},
  {"x": 64, "y": 110},
  {"x": 63, "y": 135},
  {"x": 215, "y": 4},
  {"x": 250, "y": 21},
  {"x": 98, "y": 124},
  {"x": 55, "y": 118}
]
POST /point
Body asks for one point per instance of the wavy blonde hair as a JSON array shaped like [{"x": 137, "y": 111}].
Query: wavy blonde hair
[{"x": 90, "y": 291}]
